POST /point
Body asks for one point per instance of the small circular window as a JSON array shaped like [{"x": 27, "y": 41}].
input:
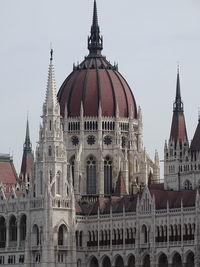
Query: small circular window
[
  {"x": 91, "y": 140},
  {"x": 107, "y": 140},
  {"x": 75, "y": 140}
]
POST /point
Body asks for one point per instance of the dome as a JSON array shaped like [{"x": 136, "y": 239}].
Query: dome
[{"x": 95, "y": 81}]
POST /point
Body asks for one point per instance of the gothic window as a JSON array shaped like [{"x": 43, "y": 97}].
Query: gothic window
[
  {"x": 41, "y": 182},
  {"x": 144, "y": 234},
  {"x": 107, "y": 175},
  {"x": 107, "y": 140},
  {"x": 61, "y": 235},
  {"x": 36, "y": 235},
  {"x": 91, "y": 175},
  {"x": 23, "y": 228},
  {"x": 91, "y": 140},
  {"x": 57, "y": 150},
  {"x": 72, "y": 167},
  {"x": 2, "y": 232},
  {"x": 49, "y": 151},
  {"x": 58, "y": 183},
  {"x": 50, "y": 125},
  {"x": 188, "y": 185},
  {"x": 13, "y": 228}
]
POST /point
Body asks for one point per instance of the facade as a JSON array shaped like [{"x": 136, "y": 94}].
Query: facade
[{"x": 91, "y": 196}]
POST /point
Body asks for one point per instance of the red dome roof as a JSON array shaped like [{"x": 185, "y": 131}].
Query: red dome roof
[{"x": 96, "y": 81}]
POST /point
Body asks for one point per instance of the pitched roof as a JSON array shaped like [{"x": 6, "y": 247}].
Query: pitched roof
[
  {"x": 8, "y": 175},
  {"x": 178, "y": 128},
  {"x": 195, "y": 144}
]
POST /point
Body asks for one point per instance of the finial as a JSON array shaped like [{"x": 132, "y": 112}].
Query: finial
[
  {"x": 95, "y": 41},
  {"x": 51, "y": 53},
  {"x": 178, "y": 104}
]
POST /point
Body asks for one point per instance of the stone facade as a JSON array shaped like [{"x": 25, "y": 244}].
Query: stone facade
[{"x": 92, "y": 197}]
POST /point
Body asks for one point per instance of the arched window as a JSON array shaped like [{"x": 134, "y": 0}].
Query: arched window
[
  {"x": 41, "y": 182},
  {"x": 144, "y": 234},
  {"x": 58, "y": 183},
  {"x": 36, "y": 235},
  {"x": 72, "y": 167},
  {"x": 91, "y": 175},
  {"x": 2, "y": 232},
  {"x": 49, "y": 151},
  {"x": 61, "y": 235},
  {"x": 107, "y": 176},
  {"x": 23, "y": 228},
  {"x": 187, "y": 185},
  {"x": 13, "y": 229}
]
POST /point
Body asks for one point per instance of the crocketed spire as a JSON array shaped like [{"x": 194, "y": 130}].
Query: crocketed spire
[{"x": 51, "y": 98}]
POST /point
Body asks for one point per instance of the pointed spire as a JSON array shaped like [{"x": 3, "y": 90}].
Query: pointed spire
[
  {"x": 178, "y": 104},
  {"x": 51, "y": 99},
  {"x": 95, "y": 41},
  {"x": 27, "y": 143},
  {"x": 120, "y": 188},
  {"x": 178, "y": 127}
]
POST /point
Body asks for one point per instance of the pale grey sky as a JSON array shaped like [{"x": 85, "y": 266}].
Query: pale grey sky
[{"x": 146, "y": 38}]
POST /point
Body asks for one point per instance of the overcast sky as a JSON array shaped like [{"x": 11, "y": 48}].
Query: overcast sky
[{"x": 146, "y": 38}]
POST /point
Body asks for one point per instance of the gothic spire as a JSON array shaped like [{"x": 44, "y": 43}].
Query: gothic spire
[
  {"x": 51, "y": 99},
  {"x": 27, "y": 143},
  {"x": 178, "y": 127},
  {"x": 178, "y": 104},
  {"x": 95, "y": 41}
]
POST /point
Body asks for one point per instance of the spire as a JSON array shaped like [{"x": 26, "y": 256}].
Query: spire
[
  {"x": 95, "y": 41},
  {"x": 120, "y": 189},
  {"x": 27, "y": 143},
  {"x": 178, "y": 104},
  {"x": 178, "y": 127},
  {"x": 51, "y": 99}
]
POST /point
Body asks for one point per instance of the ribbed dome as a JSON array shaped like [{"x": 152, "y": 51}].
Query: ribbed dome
[
  {"x": 92, "y": 82},
  {"x": 95, "y": 81}
]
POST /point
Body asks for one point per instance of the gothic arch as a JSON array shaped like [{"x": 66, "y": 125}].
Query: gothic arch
[
  {"x": 131, "y": 261},
  {"x": 93, "y": 262},
  {"x": 162, "y": 260},
  {"x": 62, "y": 235},
  {"x": 189, "y": 259},
  {"x": 106, "y": 261},
  {"x": 144, "y": 232},
  {"x": 119, "y": 262},
  {"x": 35, "y": 235},
  {"x": 13, "y": 228},
  {"x": 22, "y": 227},
  {"x": 108, "y": 167},
  {"x": 146, "y": 261},
  {"x": 91, "y": 169},
  {"x": 176, "y": 260}
]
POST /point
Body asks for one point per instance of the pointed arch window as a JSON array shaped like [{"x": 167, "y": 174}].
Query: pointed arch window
[
  {"x": 72, "y": 168},
  {"x": 41, "y": 182},
  {"x": 13, "y": 228},
  {"x": 49, "y": 151},
  {"x": 107, "y": 175},
  {"x": 91, "y": 175},
  {"x": 58, "y": 176}
]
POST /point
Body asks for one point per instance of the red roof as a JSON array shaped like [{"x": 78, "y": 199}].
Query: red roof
[
  {"x": 8, "y": 173},
  {"x": 27, "y": 164},
  {"x": 195, "y": 144},
  {"x": 178, "y": 128},
  {"x": 92, "y": 82}
]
